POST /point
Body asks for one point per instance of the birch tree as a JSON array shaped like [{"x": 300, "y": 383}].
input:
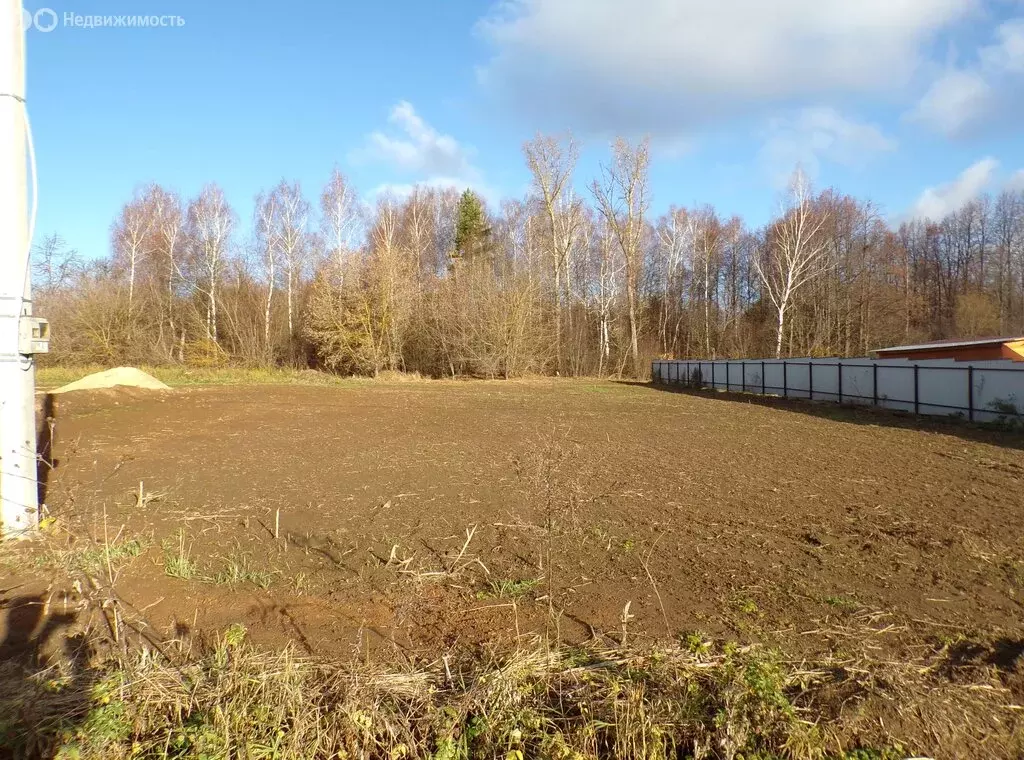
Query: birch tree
[
  {"x": 608, "y": 278},
  {"x": 293, "y": 240},
  {"x": 168, "y": 236},
  {"x": 621, "y": 197},
  {"x": 552, "y": 163},
  {"x": 211, "y": 222},
  {"x": 705, "y": 235},
  {"x": 793, "y": 254},
  {"x": 130, "y": 238},
  {"x": 675, "y": 240},
  {"x": 341, "y": 219},
  {"x": 267, "y": 243}
]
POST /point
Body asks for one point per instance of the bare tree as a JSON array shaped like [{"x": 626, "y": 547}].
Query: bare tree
[
  {"x": 1009, "y": 233},
  {"x": 267, "y": 244},
  {"x": 130, "y": 237},
  {"x": 386, "y": 259},
  {"x": 168, "y": 235},
  {"x": 552, "y": 163},
  {"x": 293, "y": 239},
  {"x": 341, "y": 219},
  {"x": 211, "y": 222},
  {"x": 794, "y": 253},
  {"x": 675, "y": 240},
  {"x": 54, "y": 265},
  {"x": 622, "y": 200},
  {"x": 705, "y": 234},
  {"x": 609, "y": 275},
  {"x": 419, "y": 220}
]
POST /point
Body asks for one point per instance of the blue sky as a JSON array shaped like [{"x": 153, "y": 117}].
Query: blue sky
[{"x": 916, "y": 104}]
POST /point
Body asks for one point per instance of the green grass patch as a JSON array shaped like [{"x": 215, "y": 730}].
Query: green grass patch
[
  {"x": 508, "y": 588},
  {"x": 94, "y": 559},
  {"x": 178, "y": 561},
  {"x": 842, "y": 603},
  {"x": 238, "y": 570}
]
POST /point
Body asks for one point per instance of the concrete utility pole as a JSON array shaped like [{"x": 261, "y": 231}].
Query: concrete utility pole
[{"x": 19, "y": 500}]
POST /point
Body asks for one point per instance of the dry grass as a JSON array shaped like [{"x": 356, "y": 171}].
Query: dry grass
[
  {"x": 699, "y": 700},
  {"x": 237, "y": 702}
]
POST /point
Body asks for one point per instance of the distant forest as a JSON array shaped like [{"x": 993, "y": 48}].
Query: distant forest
[{"x": 554, "y": 283}]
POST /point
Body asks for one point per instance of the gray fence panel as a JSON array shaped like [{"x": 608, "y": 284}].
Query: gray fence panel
[{"x": 981, "y": 391}]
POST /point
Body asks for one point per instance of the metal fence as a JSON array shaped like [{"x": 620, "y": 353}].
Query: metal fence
[{"x": 981, "y": 391}]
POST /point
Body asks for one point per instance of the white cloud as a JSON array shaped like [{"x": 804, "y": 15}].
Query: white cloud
[
  {"x": 1008, "y": 52},
  {"x": 419, "y": 150},
  {"x": 983, "y": 93},
  {"x": 936, "y": 202},
  {"x": 420, "y": 155},
  {"x": 669, "y": 66},
  {"x": 955, "y": 102},
  {"x": 819, "y": 134},
  {"x": 1016, "y": 181}
]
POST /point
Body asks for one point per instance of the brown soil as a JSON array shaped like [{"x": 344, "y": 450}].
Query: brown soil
[{"x": 736, "y": 518}]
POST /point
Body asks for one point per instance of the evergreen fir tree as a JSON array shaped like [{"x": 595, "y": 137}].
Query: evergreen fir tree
[{"x": 472, "y": 233}]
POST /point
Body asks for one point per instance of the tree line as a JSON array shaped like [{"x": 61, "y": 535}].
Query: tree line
[{"x": 557, "y": 282}]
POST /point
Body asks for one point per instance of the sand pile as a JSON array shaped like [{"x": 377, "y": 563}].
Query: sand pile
[{"x": 129, "y": 376}]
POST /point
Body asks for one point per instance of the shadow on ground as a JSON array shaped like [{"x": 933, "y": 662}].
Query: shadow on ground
[
  {"x": 857, "y": 415},
  {"x": 45, "y": 679}
]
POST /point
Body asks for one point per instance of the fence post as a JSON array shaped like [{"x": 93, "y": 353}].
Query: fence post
[
  {"x": 743, "y": 380},
  {"x": 763, "y": 387},
  {"x": 874, "y": 383},
  {"x": 713, "y": 385},
  {"x": 917, "y": 403},
  {"x": 970, "y": 393},
  {"x": 839, "y": 369},
  {"x": 810, "y": 379},
  {"x": 785, "y": 379}
]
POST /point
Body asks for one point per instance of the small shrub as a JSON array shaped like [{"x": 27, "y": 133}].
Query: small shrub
[{"x": 1010, "y": 416}]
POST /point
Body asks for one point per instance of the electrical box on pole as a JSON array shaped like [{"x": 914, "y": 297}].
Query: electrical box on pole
[{"x": 33, "y": 336}]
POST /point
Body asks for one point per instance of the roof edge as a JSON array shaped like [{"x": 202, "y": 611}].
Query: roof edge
[{"x": 938, "y": 345}]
